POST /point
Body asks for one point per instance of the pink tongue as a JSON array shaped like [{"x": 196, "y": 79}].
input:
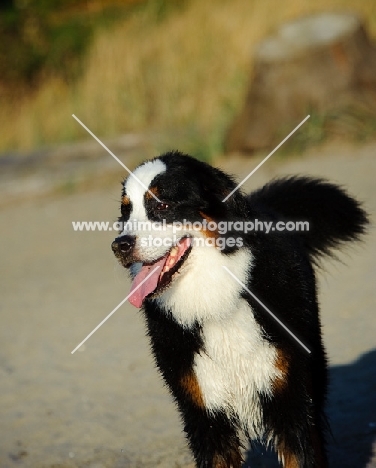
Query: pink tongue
[{"x": 137, "y": 297}]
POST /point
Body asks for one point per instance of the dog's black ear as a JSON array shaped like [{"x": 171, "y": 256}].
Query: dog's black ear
[
  {"x": 219, "y": 187},
  {"x": 212, "y": 185},
  {"x": 237, "y": 204}
]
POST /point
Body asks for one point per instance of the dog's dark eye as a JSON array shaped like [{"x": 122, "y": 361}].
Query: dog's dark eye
[{"x": 162, "y": 206}]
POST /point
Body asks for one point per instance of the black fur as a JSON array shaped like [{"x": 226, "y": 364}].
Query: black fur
[{"x": 333, "y": 215}]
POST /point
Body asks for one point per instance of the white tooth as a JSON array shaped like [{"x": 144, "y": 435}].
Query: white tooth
[{"x": 174, "y": 251}]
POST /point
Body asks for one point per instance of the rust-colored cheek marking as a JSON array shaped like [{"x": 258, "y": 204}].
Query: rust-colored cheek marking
[
  {"x": 281, "y": 364},
  {"x": 289, "y": 458},
  {"x": 125, "y": 200},
  {"x": 208, "y": 233},
  {"x": 233, "y": 459},
  {"x": 153, "y": 190},
  {"x": 192, "y": 388}
]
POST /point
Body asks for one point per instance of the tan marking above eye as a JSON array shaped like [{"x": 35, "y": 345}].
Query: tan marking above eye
[
  {"x": 149, "y": 195},
  {"x": 125, "y": 200}
]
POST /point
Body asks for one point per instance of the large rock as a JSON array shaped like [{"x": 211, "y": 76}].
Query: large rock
[{"x": 314, "y": 64}]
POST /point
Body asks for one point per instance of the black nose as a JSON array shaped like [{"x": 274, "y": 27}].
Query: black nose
[{"x": 123, "y": 244}]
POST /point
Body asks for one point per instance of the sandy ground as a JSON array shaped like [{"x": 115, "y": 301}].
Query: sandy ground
[{"x": 105, "y": 405}]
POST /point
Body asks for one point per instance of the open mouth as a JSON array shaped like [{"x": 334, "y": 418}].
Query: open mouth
[{"x": 168, "y": 265}]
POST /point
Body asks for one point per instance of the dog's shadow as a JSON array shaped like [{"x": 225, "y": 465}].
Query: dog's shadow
[{"x": 352, "y": 414}]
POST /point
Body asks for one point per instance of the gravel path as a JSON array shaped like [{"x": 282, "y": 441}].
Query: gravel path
[{"x": 105, "y": 405}]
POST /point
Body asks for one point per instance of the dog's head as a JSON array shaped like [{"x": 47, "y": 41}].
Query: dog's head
[{"x": 167, "y": 204}]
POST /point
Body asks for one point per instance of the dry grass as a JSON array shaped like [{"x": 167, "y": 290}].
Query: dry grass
[{"x": 189, "y": 70}]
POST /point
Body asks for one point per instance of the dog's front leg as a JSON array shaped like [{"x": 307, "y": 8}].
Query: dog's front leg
[{"x": 213, "y": 439}]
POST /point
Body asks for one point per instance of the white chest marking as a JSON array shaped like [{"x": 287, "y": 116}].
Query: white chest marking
[
  {"x": 204, "y": 290},
  {"x": 237, "y": 365}
]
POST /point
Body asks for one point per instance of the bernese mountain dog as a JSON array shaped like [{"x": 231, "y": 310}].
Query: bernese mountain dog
[{"x": 231, "y": 367}]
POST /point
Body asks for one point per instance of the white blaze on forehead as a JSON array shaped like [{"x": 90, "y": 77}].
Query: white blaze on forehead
[{"x": 136, "y": 192}]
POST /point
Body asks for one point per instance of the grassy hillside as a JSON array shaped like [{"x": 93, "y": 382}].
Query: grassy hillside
[{"x": 157, "y": 68}]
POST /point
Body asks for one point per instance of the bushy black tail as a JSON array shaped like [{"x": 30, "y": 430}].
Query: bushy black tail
[{"x": 334, "y": 217}]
